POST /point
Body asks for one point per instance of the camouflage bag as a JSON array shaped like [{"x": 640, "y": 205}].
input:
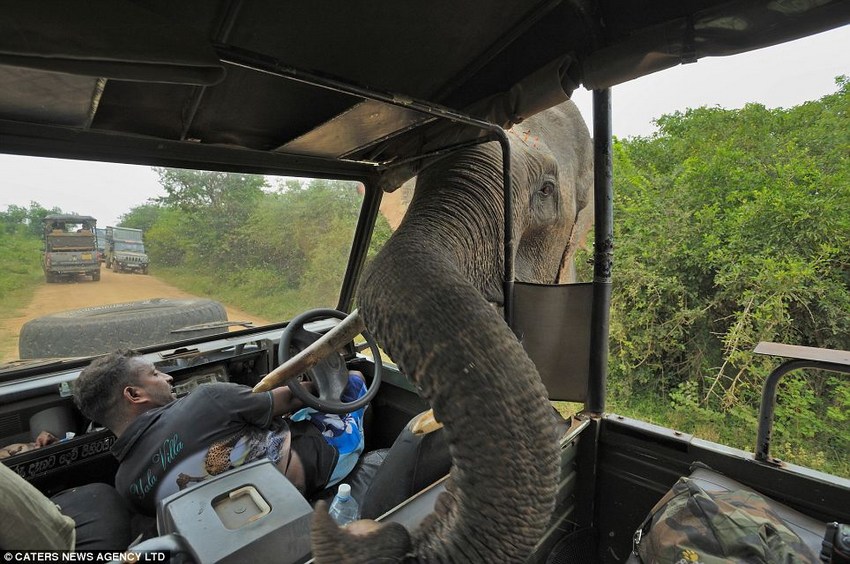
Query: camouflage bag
[{"x": 690, "y": 525}]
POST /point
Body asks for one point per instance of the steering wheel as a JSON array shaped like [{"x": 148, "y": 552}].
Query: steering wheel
[{"x": 330, "y": 375}]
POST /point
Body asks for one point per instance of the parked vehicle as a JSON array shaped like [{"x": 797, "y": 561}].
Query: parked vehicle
[
  {"x": 70, "y": 247},
  {"x": 125, "y": 250},
  {"x": 312, "y": 88}
]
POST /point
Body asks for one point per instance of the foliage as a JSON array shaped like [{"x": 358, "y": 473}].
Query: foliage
[
  {"x": 214, "y": 206},
  {"x": 20, "y": 268},
  {"x": 142, "y": 217},
  {"x": 18, "y": 219},
  {"x": 273, "y": 251},
  {"x": 211, "y": 192},
  {"x": 733, "y": 227},
  {"x": 20, "y": 253}
]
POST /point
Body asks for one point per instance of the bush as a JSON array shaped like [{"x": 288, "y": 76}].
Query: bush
[{"x": 733, "y": 227}]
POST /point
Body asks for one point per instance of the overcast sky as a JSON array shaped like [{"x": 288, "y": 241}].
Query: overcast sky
[
  {"x": 777, "y": 77},
  {"x": 781, "y": 76}
]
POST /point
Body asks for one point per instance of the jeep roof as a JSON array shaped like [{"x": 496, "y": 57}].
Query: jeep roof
[{"x": 281, "y": 86}]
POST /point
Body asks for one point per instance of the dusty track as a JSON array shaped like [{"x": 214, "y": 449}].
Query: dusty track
[{"x": 112, "y": 288}]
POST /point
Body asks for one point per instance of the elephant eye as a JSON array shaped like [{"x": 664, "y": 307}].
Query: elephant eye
[{"x": 547, "y": 188}]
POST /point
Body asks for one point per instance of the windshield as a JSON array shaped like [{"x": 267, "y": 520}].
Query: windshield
[
  {"x": 131, "y": 247},
  {"x": 220, "y": 246}
]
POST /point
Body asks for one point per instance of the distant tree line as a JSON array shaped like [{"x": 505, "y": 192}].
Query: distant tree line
[
  {"x": 290, "y": 241},
  {"x": 25, "y": 221}
]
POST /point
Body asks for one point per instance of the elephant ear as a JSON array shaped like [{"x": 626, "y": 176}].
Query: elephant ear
[
  {"x": 584, "y": 181},
  {"x": 584, "y": 205},
  {"x": 394, "y": 203},
  {"x": 578, "y": 240}
]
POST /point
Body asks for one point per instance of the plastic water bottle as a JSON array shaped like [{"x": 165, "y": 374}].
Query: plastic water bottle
[{"x": 344, "y": 508}]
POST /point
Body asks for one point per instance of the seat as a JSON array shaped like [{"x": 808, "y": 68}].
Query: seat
[{"x": 384, "y": 478}]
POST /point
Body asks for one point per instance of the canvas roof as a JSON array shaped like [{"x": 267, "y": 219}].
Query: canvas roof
[{"x": 230, "y": 84}]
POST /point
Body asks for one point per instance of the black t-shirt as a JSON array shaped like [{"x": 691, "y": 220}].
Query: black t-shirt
[{"x": 215, "y": 428}]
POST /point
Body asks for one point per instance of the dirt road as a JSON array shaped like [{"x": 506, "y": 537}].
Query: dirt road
[{"x": 112, "y": 288}]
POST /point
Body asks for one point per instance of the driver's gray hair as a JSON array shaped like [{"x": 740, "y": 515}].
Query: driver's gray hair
[{"x": 98, "y": 390}]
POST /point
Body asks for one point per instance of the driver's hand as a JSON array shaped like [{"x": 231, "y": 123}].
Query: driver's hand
[
  {"x": 285, "y": 402},
  {"x": 45, "y": 438}
]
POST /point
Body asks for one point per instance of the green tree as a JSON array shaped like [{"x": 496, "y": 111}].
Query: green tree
[
  {"x": 733, "y": 227},
  {"x": 169, "y": 241},
  {"x": 274, "y": 251},
  {"x": 18, "y": 218},
  {"x": 142, "y": 217},
  {"x": 215, "y": 204},
  {"x": 194, "y": 190},
  {"x": 303, "y": 224},
  {"x": 14, "y": 219}
]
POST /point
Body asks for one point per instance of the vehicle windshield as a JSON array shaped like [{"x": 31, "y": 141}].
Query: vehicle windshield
[
  {"x": 265, "y": 248},
  {"x": 130, "y": 247}
]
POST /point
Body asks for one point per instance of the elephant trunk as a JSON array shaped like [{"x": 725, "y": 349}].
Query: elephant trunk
[{"x": 418, "y": 301}]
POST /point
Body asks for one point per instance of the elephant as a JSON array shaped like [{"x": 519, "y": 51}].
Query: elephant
[{"x": 432, "y": 299}]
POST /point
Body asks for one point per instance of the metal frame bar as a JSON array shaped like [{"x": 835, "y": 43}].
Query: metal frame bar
[
  {"x": 225, "y": 28},
  {"x": 768, "y": 400},
  {"x": 269, "y": 65},
  {"x": 359, "y": 247},
  {"x": 603, "y": 233},
  {"x": 70, "y": 143}
]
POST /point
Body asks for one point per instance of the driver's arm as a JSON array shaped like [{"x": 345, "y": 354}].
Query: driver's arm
[{"x": 285, "y": 402}]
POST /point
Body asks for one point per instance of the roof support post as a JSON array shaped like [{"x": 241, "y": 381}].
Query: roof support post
[{"x": 603, "y": 233}]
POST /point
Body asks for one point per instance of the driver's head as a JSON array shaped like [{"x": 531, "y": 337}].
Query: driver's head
[{"x": 115, "y": 388}]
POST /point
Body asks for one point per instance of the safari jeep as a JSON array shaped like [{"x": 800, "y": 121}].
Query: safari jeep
[
  {"x": 70, "y": 247},
  {"x": 467, "y": 322},
  {"x": 125, "y": 250}
]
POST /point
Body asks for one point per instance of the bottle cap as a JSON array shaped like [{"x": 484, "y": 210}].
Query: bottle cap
[{"x": 344, "y": 491}]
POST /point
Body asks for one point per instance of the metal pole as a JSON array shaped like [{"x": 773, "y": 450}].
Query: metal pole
[
  {"x": 269, "y": 65},
  {"x": 768, "y": 400},
  {"x": 603, "y": 232}
]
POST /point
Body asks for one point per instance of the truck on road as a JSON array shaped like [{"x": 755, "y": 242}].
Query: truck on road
[
  {"x": 70, "y": 247},
  {"x": 125, "y": 250}
]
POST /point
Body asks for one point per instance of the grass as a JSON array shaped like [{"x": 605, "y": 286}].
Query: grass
[
  {"x": 271, "y": 304},
  {"x": 20, "y": 275},
  {"x": 260, "y": 299},
  {"x": 20, "y": 272},
  {"x": 735, "y": 429}
]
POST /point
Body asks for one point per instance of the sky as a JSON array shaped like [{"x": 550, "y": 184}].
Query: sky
[
  {"x": 782, "y": 76},
  {"x": 777, "y": 77}
]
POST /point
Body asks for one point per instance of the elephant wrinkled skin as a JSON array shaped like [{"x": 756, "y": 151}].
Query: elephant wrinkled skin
[{"x": 428, "y": 299}]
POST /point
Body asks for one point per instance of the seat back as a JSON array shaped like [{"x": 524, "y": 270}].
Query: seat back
[{"x": 386, "y": 478}]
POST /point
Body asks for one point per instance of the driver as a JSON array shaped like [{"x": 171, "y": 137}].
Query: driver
[{"x": 166, "y": 444}]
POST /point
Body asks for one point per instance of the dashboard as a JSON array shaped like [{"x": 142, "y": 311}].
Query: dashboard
[{"x": 32, "y": 405}]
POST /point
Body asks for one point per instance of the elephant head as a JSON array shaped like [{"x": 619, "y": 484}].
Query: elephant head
[{"x": 428, "y": 299}]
